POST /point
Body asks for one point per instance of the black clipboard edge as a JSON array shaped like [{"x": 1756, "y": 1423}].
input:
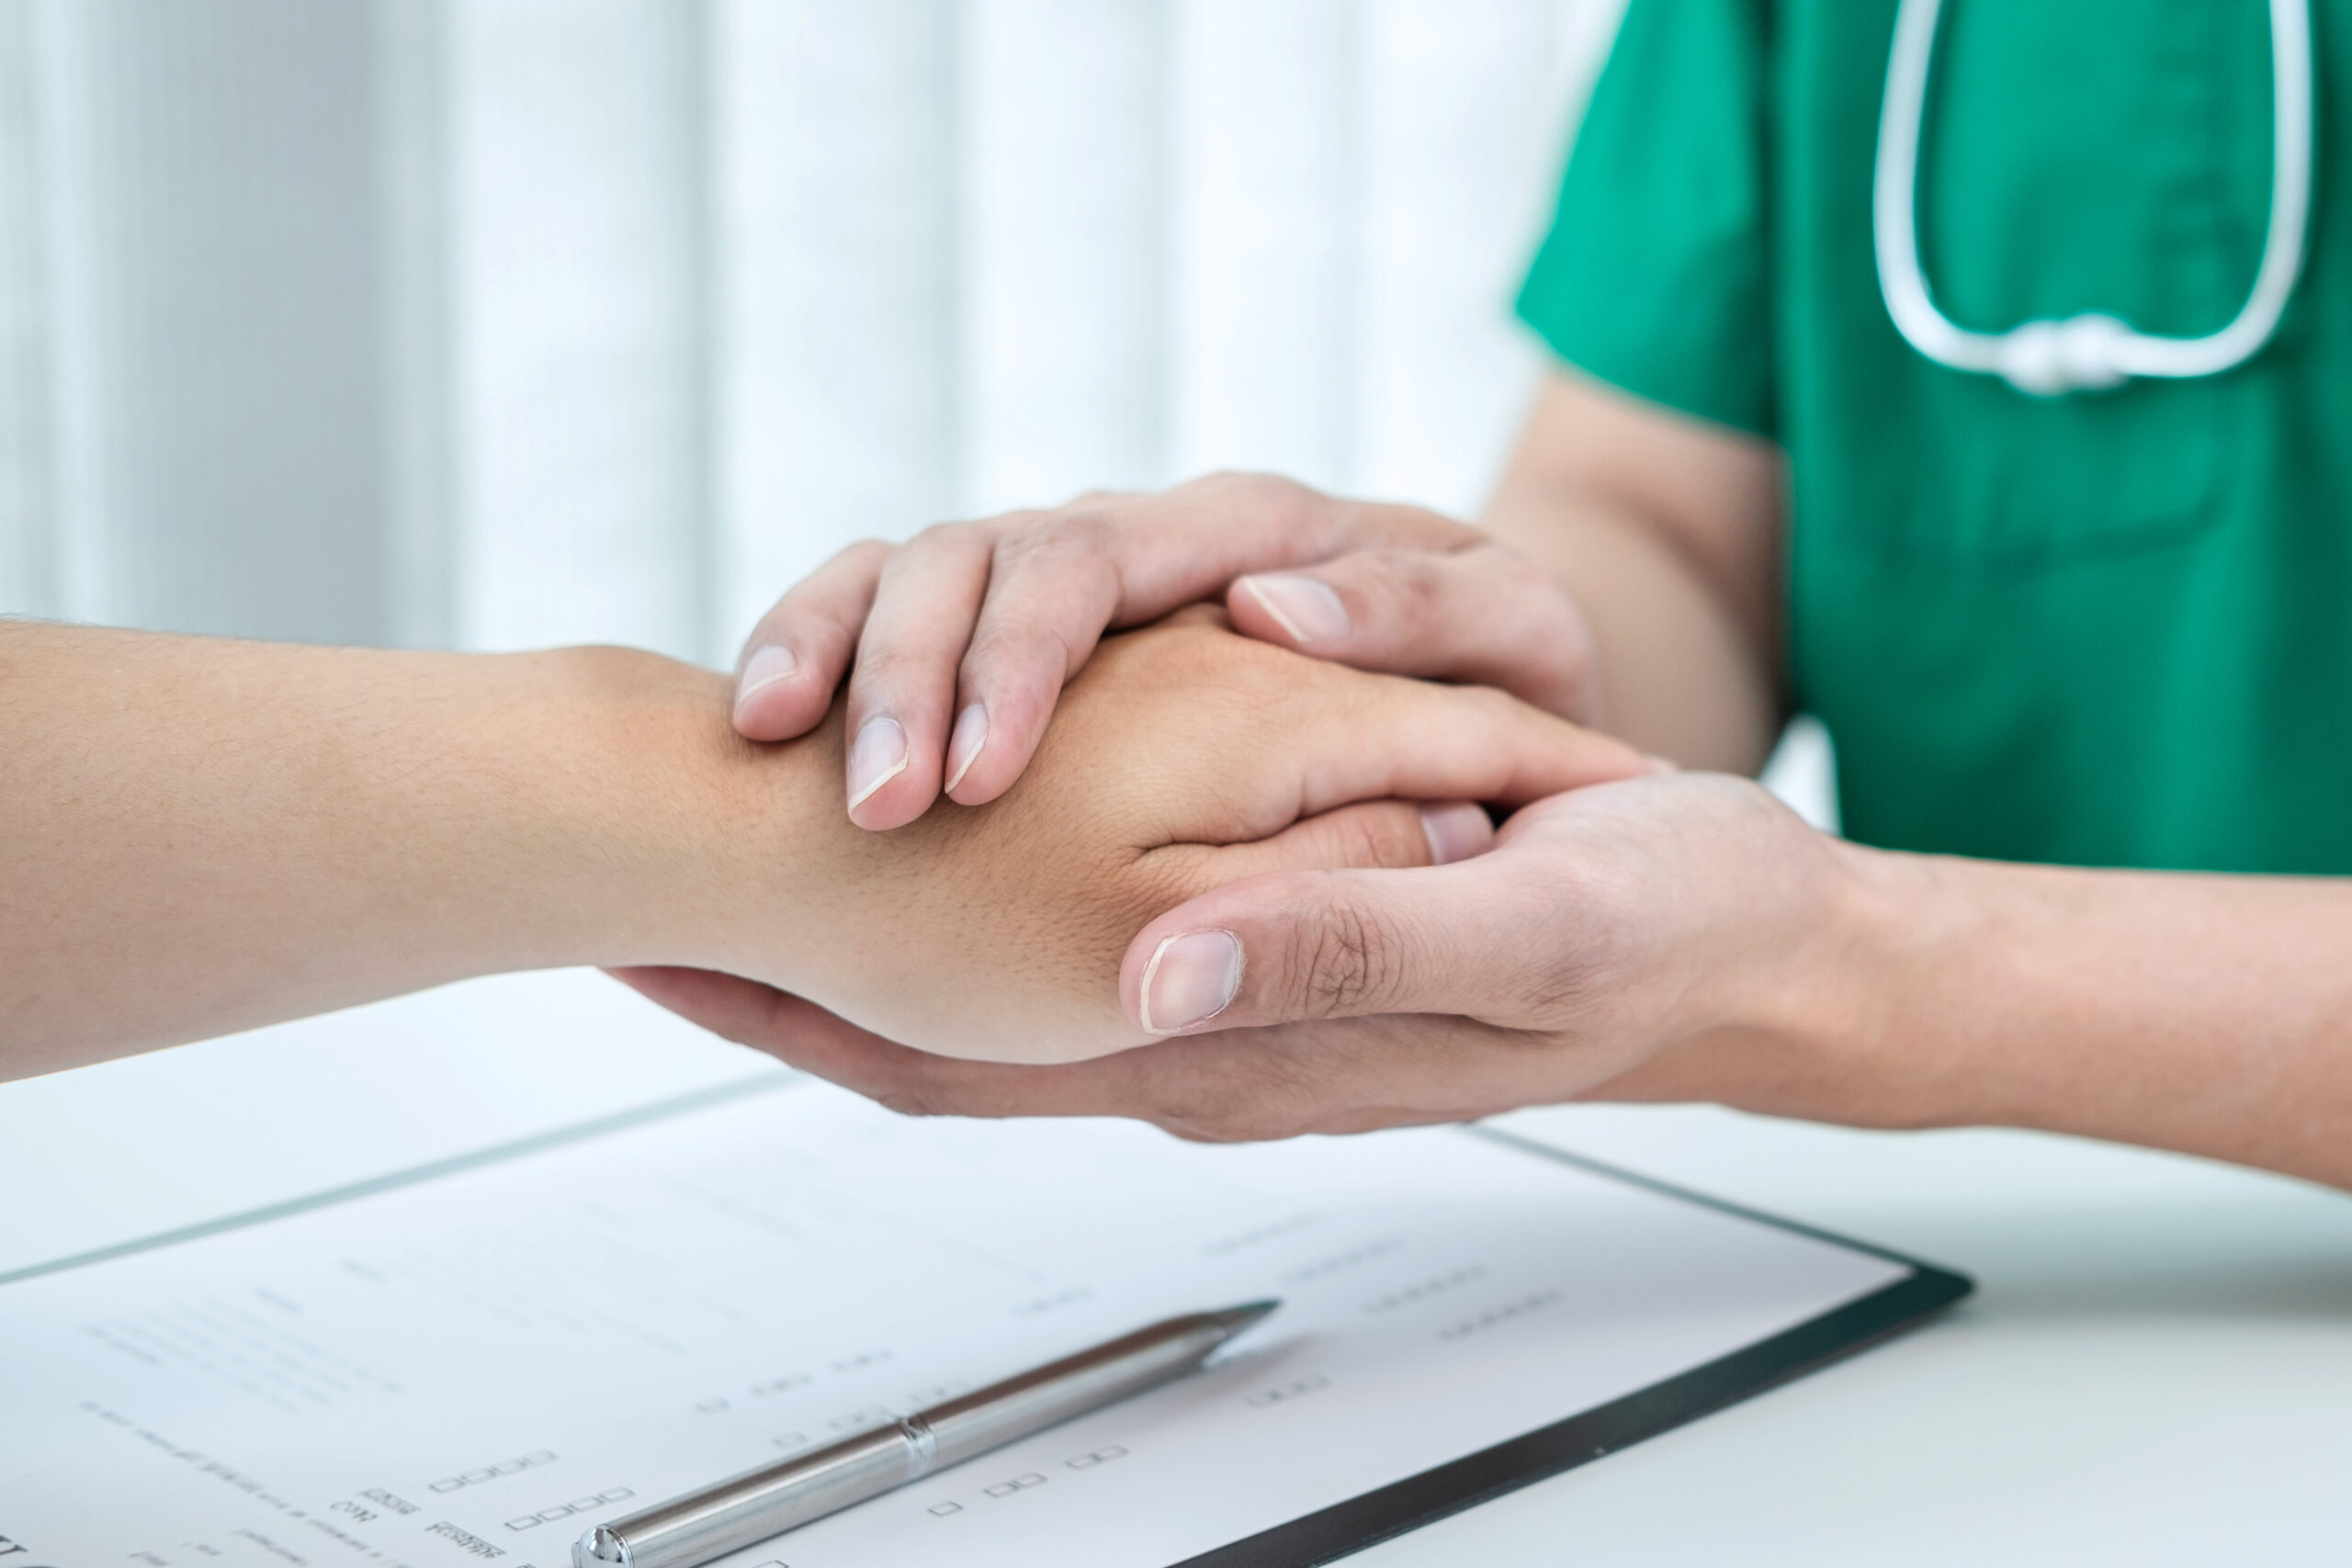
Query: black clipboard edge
[{"x": 1346, "y": 1527}]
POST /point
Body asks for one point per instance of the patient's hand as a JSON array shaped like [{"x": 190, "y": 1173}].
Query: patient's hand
[{"x": 1183, "y": 757}]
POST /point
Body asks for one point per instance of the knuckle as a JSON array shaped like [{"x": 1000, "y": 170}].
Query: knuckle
[
  {"x": 1277, "y": 501},
  {"x": 890, "y": 670},
  {"x": 1199, "y": 1107},
  {"x": 1572, "y": 672},
  {"x": 907, "y": 1099},
  {"x": 1023, "y": 655},
  {"x": 1198, "y": 1129},
  {"x": 1230, "y": 1131},
  {"x": 1380, "y": 838},
  {"x": 1409, "y": 588},
  {"x": 864, "y": 551},
  {"x": 1235, "y": 482},
  {"x": 1499, "y": 706},
  {"x": 1566, "y": 983},
  {"x": 1550, "y": 615},
  {"x": 1068, "y": 557},
  {"x": 1238, "y": 1111},
  {"x": 1485, "y": 707},
  {"x": 848, "y": 575},
  {"x": 1562, "y": 629},
  {"x": 949, "y": 536},
  {"x": 1347, "y": 964},
  {"x": 1283, "y": 502},
  {"x": 1077, "y": 530}
]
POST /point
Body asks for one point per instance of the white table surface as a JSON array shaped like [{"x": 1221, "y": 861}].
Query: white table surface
[{"x": 2156, "y": 1368}]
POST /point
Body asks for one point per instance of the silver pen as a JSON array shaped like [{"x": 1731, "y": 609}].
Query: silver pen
[{"x": 690, "y": 1531}]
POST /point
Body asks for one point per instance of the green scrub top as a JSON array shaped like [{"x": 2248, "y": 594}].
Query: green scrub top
[{"x": 2107, "y": 629}]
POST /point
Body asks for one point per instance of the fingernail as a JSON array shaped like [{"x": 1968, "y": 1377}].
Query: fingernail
[
  {"x": 1305, "y": 607},
  {"x": 764, "y": 668},
  {"x": 1456, "y": 831},
  {"x": 1191, "y": 979},
  {"x": 964, "y": 746},
  {"x": 1661, "y": 765},
  {"x": 878, "y": 756}
]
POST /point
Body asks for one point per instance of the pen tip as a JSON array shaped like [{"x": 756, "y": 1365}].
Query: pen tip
[
  {"x": 599, "y": 1548},
  {"x": 1233, "y": 1319}
]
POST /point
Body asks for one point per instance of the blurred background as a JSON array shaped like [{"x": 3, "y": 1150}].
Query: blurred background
[{"x": 495, "y": 323}]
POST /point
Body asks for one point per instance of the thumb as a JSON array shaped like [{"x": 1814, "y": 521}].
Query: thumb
[{"x": 1297, "y": 946}]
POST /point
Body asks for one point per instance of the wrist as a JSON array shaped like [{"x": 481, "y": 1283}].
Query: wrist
[
  {"x": 1850, "y": 1016},
  {"x": 661, "y": 837}
]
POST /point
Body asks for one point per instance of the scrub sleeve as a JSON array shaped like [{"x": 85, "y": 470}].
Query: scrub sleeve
[{"x": 2109, "y": 629}]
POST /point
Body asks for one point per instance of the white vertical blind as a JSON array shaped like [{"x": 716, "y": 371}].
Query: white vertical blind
[
  {"x": 838, "y": 347},
  {"x": 1064, "y": 247},
  {"x": 28, "y": 576},
  {"x": 412, "y": 141},
  {"x": 576, "y": 229},
  {"x": 501, "y": 323},
  {"x": 1266, "y": 189},
  {"x": 1460, "y": 138},
  {"x": 212, "y": 429}
]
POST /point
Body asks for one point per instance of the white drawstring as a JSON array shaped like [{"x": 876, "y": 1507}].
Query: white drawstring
[{"x": 2084, "y": 352}]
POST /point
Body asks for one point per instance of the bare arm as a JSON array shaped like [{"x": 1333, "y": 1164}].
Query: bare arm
[
  {"x": 1666, "y": 533},
  {"x": 2208, "y": 1015},
  {"x": 199, "y": 835}
]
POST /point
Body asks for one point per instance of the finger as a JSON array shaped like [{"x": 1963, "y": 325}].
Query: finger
[
  {"x": 1107, "y": 561},
  {"x": 1387, "y": 737},
  {"x": 727, "y": 1005},
  {"x": 803, "y": 1035},
  {"x": 1192, "y": 975},
  {"x": 1305, "y": 946},
  {"x": 1054, "y": 587},
  {"x": 1479, "y": 615},
  {"x": 1325, "y": 738},
  {"x": 793, "y": 660},
  {"x": 1187, "y": 543},
  {"x": 903, "y": 688},
  {"x": 792, "y": 1029},
  {"x": 1347, "y": 1076},
  {"x": 1233, "y": 1086},
  {"x": 1395, "y": 833}
]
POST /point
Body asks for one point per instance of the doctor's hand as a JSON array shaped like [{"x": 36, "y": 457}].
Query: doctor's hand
[
  {"x": 1647, "y": 940},
  {"x": 958, "y": 643}
]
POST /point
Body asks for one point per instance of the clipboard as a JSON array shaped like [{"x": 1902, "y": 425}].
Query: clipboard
[
  {"x": 475, "y": 1362},
  {"x": 1923, "y": 1292}
]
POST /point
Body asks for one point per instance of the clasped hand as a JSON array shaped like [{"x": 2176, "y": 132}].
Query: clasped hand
[
  {"x": 1183, "y": 758},
  {"x": 1609, "y": 940}
]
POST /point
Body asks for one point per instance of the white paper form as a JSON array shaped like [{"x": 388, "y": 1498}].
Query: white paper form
[{"x": 477, "y": 1368}]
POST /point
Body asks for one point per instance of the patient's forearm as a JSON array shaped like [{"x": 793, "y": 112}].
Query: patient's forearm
[{"x": 199, "y": 835}]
